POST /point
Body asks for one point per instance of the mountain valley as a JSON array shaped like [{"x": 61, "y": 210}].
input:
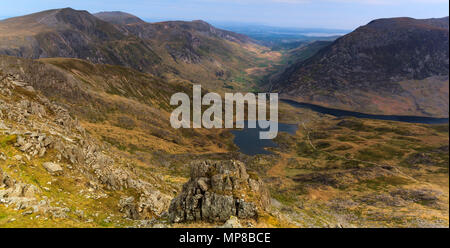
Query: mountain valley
[{"x": 85, "y": 137}]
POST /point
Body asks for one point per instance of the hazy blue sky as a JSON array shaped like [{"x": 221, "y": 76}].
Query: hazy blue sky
[{"x": 345, "y": 14}]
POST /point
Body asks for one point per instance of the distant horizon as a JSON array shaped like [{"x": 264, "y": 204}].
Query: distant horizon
[
  {"x": 228, "y": 23},
  {"x": 331, "y": 14},
  {"x": 212, "y": 22}
]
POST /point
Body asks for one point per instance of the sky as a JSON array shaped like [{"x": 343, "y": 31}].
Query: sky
[{"x": 338, "y": 14}]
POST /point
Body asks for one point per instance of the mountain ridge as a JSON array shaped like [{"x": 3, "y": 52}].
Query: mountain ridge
[
  {"x": 118, "y": 17},
  {"x": 369, "y": 69},
  {"x": 77, "y": 34},
  {"x": 195, "y": 50}
]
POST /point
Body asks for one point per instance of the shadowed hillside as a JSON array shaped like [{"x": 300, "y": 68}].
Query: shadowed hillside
[{"x": 390, "y": 66}]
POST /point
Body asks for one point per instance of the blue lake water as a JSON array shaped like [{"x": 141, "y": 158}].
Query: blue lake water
[
  {"x": 342, "y": 113},
  {"x": 247, "y": 139}
]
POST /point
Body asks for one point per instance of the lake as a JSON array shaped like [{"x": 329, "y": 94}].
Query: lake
[
  {"x": 247, "y": 139},
  {"x": 342, "y": 113}
]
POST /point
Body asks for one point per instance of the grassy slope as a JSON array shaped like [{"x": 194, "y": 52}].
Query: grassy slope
[
  {"x": 345, "y": 156},
  {"x": 129, "y": 111}
]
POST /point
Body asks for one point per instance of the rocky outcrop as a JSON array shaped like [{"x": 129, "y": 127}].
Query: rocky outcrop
[
  {"x": 128, "y": 207},
  {"x": 15, "y": 193},
  {"x": 218, "y": 190},
  {"x": 38, "y": 126},
  {"x": 23, "y": 196},
  {"x": 186, "y": 54}
]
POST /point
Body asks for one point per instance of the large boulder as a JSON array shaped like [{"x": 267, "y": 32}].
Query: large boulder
[{"x": 218, "y": 190}]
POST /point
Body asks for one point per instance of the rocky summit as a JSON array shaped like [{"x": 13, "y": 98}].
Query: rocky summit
[{"x": 218, "y": 190}]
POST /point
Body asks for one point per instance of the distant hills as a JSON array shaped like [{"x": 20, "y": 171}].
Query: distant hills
[
  {"x": 389, "y": 66},
  {"x": 283, "y": 37},
  {"x": 74, "y": 34},
  {"x": 194, "y": 51}
]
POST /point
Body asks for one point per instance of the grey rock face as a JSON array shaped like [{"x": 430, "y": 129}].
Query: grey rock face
[{"x": 218, "y": 190}]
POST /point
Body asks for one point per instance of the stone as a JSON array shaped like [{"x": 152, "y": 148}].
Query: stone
[
  {"x": 58, "y": 212},
  {"x": 152, "y": 202},
  {"x": 128, "y": 207},
  {"x": 37, "y": 109},
  {"x": 17, "y": 83},
  {"x": 3, "y": 156},
  {"x": 29, "y": 88},
  {"x": 9, "y": 182},
  {"x": 245, "y": 209},
  {"x": 29, "y": 191},
  {"x": 218, "y": 190},
  {"x": 25, "y": 147},
  {"x": 29, "y": 212},
  {"x": 53, "y": 168},
  {"x": 3, "y": 126},
  {"x": 47, "y": 141},
  {"x": 42, "y": 152},
  {"x": 203, "y": 184},
  {"x": 18, "y": 157},
  {"x": 233, "y": 222},
  {"x": 6, "y": 180},
  {"x": 20, "y": 141},
  {"x": 17, "y": 190}
]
